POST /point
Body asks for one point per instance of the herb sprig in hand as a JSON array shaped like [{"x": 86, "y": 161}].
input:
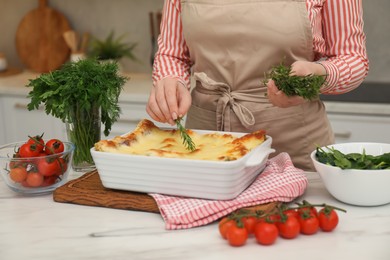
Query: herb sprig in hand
[
  {"x": 187, "y": 141},
  {"x": 307, "y": 86}
]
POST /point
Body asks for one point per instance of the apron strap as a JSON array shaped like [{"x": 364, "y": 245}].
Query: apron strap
[{"x": 227, "y": 97}]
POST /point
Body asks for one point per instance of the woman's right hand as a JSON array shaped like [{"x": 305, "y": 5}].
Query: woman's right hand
[{"x": 169, "y": 99}]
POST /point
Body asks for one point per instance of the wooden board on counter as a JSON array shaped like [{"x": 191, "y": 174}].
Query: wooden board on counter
[
  {"x": 88, "y": 190},
  {"x": 39, "y": 39}
]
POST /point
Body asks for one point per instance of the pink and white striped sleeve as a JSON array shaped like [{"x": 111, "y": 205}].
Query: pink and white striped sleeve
[
  {"x": 172, "y": 58},
  {"x": 346, "y": 63}
]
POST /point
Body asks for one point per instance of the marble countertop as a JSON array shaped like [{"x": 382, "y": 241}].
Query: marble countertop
[
  {"x": 138, "y": 86},
  {"x": 39, "y": 228}
]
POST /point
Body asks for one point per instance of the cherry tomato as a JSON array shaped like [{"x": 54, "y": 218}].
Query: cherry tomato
[
  {"x": 224, "y": 225},
  {"x": 34, "y": 179},
  {"x": 28, "y": 150},
  {"x": 249, "y": 223},
  {"x": 50, "y": 180},
  {"x": 18, "y": 174},
  {"x": 309, "y": 224},
  {"x": 266, "y": 233},
  {"x": 236, "y": 235},
  {"x": 54, "y": 146},
  {"x": 289, "y": 228},
  {"x": 38, "y": 141},
  {"x": 49, "y": 166},
  {"x": 291, "y": 212},
  {"x": 328, "y": 219},
  {"x": 63, "y": 166}
]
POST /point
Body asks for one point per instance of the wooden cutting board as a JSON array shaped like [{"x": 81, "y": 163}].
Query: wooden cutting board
[
  {"x": 39, "y": 39},
  {"x": 88, "y": 190}
]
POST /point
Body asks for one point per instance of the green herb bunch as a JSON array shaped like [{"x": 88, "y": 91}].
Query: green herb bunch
[
  {"x": 361, "y": 161},
  {"x": 72, "y": 92},
  {"x": 112, "y": 48},
  {"x": 307, "y": 86}
]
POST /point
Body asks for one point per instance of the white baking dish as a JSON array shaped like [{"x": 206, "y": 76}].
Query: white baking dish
[{"x": 219, "y": 180}]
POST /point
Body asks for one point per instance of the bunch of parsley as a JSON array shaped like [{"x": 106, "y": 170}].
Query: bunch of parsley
[{"x": 83, "y": 85}]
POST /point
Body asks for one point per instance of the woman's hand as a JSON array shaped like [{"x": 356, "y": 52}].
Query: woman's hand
[
  {"x": 168, "y": 100},
  {"x": 299, "y": 68}
]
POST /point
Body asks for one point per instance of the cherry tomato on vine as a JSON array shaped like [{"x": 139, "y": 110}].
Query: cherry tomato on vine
[
  {"x": 237, "y": 236},
  {"x": 290, "y": 228},
  {"x": 328, "y": 219},
  {"x": 309, "y": 209},
  {"x": 18, "y": 174},
  {"x": 309, "y": 224},
  {"x": 54, "y": 146},
  {"x": 28, "y": 150},
  {"x": 249, "y": 223},
  {"x": 224, "y": 224},
  {"x": 38, "y": 141},
  {"x": 266, "y": 233},
  {"x": 291, "y": 212}
]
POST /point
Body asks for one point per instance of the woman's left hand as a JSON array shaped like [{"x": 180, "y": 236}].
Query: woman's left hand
[
  {"x": 299, "y": 68},
  {"x": 279, "y": 99}
]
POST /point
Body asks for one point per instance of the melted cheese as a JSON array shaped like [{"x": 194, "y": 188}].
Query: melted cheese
[{"x": 147, "y": 139}]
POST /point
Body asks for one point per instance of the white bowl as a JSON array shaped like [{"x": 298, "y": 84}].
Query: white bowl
[
  {"x": 356, "y": 187},
  {"x": 219, "y": 180}
]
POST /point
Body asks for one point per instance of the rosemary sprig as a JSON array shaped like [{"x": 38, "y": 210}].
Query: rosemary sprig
[
  {"x": 307, "y": 86},
  {"x": 187, "y": 141}
]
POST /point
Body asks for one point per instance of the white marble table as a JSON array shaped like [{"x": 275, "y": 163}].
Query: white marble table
[{"x": 39, "y": 228}]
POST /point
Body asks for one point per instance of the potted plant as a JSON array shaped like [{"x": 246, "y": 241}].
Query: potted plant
[
  {"x": 83, "y": 94},
  {"x": 112, "y": 48}
]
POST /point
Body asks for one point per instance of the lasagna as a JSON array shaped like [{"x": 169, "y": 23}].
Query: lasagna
[{"x": 149, "y": 140}]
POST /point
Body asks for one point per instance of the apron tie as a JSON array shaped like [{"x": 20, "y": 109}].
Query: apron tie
[{"x": 211, "y": 87}]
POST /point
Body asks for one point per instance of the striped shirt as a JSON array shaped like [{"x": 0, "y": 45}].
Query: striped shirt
[{"x": 338, "y": 44}]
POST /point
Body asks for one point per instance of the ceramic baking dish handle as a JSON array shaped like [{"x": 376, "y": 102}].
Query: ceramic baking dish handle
[{"x": 259, "y": 156}]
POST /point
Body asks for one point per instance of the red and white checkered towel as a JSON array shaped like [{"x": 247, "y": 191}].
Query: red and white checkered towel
[{"x": 280, "y": 181}]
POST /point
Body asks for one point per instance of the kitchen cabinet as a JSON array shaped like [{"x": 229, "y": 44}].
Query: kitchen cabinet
[
  {"x": 19, "y": 122},
  {"x": 353, "y": 128},
  {"x": 354, "y": 122}
]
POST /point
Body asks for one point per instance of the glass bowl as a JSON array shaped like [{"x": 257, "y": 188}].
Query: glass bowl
[{"x": 35, "y": 175}]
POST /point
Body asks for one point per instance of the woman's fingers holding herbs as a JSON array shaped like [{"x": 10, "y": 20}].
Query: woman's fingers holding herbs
[
  {"x": 279, "y": 99},
  {"x": 164, "y": 101},
  {"x": 153, "y": 109}
]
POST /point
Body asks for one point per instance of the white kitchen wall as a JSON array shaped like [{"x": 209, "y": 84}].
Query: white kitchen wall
[{"x": 99, "y": 17}]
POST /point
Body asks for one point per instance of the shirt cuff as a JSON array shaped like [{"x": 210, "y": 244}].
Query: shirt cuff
[{"x": 332, "y": 76}]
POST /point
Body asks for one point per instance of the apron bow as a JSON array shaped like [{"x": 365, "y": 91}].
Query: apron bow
[{"x": 209, "y": 86}]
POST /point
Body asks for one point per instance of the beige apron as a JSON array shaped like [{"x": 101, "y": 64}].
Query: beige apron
[{"x": 232, "y": 44}]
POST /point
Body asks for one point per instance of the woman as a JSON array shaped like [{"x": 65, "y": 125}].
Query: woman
[{"x": 229, "y": 45}]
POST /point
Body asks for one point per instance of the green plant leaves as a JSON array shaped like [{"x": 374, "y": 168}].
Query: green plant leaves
[
  {"x": 353, "y": 160},
  {"x": 112, "y": 48}
]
